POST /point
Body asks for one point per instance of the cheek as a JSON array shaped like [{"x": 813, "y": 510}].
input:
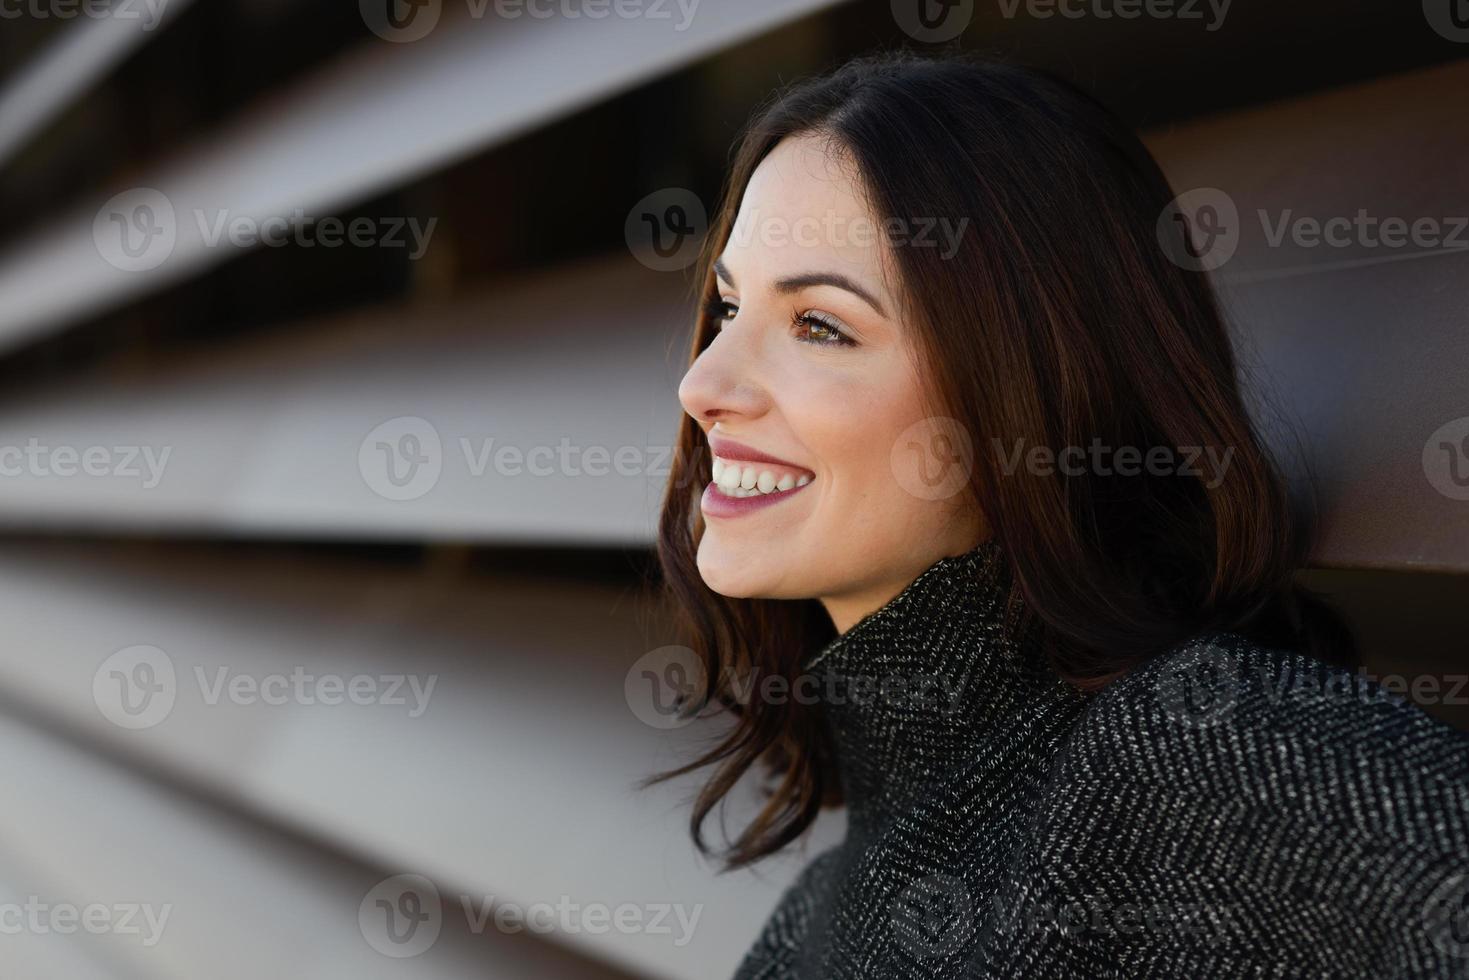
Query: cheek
[{"x": 851, "y": 424}]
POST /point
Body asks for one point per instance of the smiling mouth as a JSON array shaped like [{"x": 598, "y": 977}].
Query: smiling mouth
[{"x": 737, "y": 478}]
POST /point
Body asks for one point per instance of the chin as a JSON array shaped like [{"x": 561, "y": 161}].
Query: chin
[{"x": 727, "y": 573}]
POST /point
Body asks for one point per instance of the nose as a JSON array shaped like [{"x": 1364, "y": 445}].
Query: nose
[{"x": 723, "y": 384}]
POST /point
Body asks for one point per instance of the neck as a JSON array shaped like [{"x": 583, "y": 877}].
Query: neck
[
  {"x": 916, "y": 690},
  {"x": 848, "y": 610}
]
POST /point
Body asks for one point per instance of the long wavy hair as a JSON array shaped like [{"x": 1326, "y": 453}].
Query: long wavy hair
[{"x": 1060, "y": 320}]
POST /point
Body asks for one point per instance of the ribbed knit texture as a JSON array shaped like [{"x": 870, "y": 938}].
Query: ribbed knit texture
[{"x": 1227, "y": 810}]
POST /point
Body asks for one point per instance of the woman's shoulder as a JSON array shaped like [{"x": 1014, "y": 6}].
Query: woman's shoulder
[
  {"x": 1223, "y": 714},
  {"x": 1297, "y": 812}
]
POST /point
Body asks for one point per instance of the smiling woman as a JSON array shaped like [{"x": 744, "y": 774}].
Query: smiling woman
[
  {"x": 812, "y": 363},
  {"x": 1136, "y": 710}
]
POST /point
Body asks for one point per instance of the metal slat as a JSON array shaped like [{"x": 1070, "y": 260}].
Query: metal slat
[
  {"x": 518, "y": 778},
  {"x": 84, "y": 53},
  {"x": 531, "y": 390},
  {"x": 187, "y": 891},
  {"x": 375, "y": 119},
  {"x": 1360, "y": 343}
]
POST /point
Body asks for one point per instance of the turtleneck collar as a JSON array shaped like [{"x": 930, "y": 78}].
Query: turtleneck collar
[{"x": 915, "y": 690}]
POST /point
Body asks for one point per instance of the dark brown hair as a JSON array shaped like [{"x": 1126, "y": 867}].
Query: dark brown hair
[{"x": 1060, "y": 320}]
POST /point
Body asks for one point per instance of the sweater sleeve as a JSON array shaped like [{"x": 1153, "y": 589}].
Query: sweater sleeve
[{"x": 1231, "y": 810}]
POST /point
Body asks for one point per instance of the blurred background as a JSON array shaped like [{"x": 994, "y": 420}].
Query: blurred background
[{"x": 338, "y": 355}]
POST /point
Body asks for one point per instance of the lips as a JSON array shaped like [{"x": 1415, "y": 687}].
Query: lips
[
  {"x": 728, "y": 449},
  {"x": 746, "y": 479}
]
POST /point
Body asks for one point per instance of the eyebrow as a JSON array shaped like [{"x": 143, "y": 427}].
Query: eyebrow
[{"x": 793, "y": 284}]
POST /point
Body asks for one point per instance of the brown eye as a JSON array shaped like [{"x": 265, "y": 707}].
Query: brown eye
[
  {"x": 820, "y": 329},
  {"x": 720, "y": 311}
]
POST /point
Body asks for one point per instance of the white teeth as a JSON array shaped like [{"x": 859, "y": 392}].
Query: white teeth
[{"x": 736, "y": 480}]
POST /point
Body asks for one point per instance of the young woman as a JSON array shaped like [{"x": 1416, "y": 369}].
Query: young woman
[{"x": 975, "y": 537}]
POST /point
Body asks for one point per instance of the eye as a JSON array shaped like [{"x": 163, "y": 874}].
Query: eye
[
  {"x": 720, "y": 310},
  {"x": 820, "y": 329}
]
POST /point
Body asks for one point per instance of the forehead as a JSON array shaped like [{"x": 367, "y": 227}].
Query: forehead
[{"x": 805, "y": 207}]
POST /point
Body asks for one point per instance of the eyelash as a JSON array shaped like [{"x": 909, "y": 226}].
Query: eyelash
[{"x": 718, "y": 310}]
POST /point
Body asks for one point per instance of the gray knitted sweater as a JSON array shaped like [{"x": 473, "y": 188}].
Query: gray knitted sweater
[{"x": 1228, "y": 810}]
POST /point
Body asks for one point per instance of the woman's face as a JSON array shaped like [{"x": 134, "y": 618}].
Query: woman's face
[{"x": 814, "y": 369}]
